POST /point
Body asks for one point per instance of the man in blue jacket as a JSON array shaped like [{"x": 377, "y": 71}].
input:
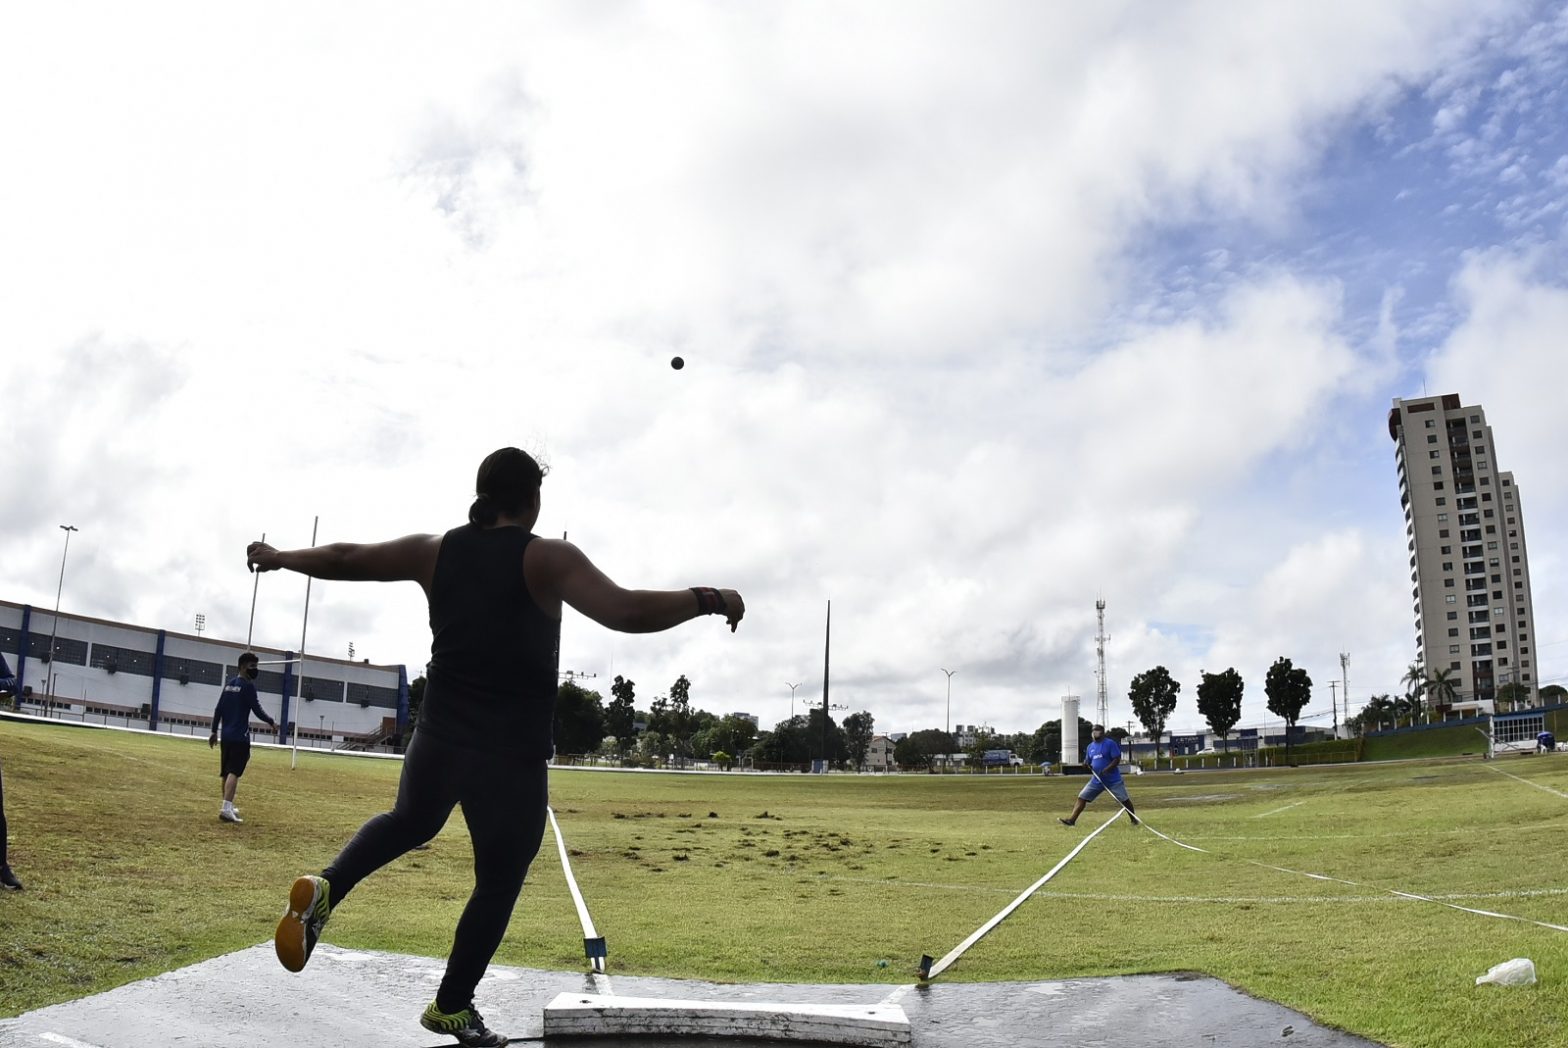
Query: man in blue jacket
[
  {"x": 232, "y": 716},
  {"x": 1104, "y": 756}
]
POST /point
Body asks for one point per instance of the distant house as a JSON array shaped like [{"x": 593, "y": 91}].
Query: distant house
[{"x": 879, "y": 755}]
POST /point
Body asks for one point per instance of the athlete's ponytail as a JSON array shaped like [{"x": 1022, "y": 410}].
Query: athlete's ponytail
[{"x": 507, "y": 482}]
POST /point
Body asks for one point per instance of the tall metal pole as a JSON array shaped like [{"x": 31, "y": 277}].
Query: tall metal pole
[
  {"x": 826, "y": 644},
  {"x": 948, "y": 730},
  {"x": 54, "y": 627},
  {"x": 791, "y": 688},
  {"x": 1344, "y": 690},
  {"x": 1102, "y": 707}
]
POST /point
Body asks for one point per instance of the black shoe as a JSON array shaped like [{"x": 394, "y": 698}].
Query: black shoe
[
  {"x": 467, "y": 1025},
  {"x": 1134, "y": 819},
  {"x": 8, "y": 880},
  {"x": 1066, "y": 822}
]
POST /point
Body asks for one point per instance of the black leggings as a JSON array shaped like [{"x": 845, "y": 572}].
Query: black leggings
[
  {"x": 2, "y": 822},
  {"x": 503, "y": 799}
]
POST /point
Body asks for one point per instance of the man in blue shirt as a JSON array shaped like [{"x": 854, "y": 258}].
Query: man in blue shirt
[
  {"x": 1104, "y": 756},
  {"x": 232, "y": 716}
]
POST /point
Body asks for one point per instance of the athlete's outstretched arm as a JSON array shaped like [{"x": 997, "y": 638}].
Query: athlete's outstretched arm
[
  {"x": 557, "y": 572},
  {"x": 411, "y": 558}
]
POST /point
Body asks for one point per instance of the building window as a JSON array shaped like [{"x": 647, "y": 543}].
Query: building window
[
  {"x": 1442, "y": 502},
  {"x": 1434, "y": 454},
  {"x": 1453, "y": 665},
  {"x": 1431, "y": 423},
  {"x": 1442, "y": 518},
  {"x": 1453, "y": 649},
  {"x": 1437, "y": 485},
  {"x": 1453, "y": 615},
  {"x": 1442, "y": 533},
  {"x": 1431, "y": 438},
  {"x": 1475, "y": 420},
  {"x": 1448, "y": 565},
  {"x": 1451, "y": 599},
  {"x": 1446, "y": 550},
  {"x": 1448, "y": 583}
]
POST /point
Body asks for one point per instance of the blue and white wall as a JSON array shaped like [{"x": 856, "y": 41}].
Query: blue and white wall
[{"x": 166, "y": 680}]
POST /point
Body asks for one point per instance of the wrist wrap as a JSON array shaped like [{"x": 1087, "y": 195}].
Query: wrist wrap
[{"x": 709, "y": 600}]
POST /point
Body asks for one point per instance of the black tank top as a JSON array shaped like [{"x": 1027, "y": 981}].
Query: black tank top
[{"x": 493, "y": 652}]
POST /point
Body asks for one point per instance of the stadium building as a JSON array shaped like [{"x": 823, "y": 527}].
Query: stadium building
[
  {"x": 140, "y": 677},
  {"x": 1469, "y": 568}
]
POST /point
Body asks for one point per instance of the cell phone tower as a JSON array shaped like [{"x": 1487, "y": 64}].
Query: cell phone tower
[{"x": 1102, "y": 706}]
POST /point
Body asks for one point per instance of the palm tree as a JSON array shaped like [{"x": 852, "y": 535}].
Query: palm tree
[
  {"x": 1440, "y": 687},
  {"x": 1415, "y": 683},
  {"x": 1378, "y": 709}
]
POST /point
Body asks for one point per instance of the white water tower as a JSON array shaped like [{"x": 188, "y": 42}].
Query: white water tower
[{"x": 1070, "y": 749}]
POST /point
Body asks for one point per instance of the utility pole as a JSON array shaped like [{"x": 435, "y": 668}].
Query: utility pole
[
  {"x": 1333, "y": 685},
  {"x": 827, "y": 642}
]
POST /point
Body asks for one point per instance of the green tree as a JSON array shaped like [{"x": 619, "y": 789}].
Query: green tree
[
  {"x": 620, "y": 719},
  {"x": 734, "y": 734},
  {"x": 1553, "y": 694},
  {"x": 1289, "y": 690},
  {"x": 1379, "y": 709},
  {"x": 416, "y": 697},
  {"x": 659, "y": 715},
  {"x": 1514, "y": 695},
  {"x": 922, "y": 748},
  {"x": 787, "y": 743},
  {"x": 1046, "y": 743},
  {"x": 681, "y": 722},
  {"x": 1219, "y": 700},
  {"x": 837, "y": 747},
  {"x": 1414, "y": 681},
  {"x": 858, "y": 729},
  {"x": 1441, "y": 690},
  {"x": 1153, "y": 694},
  {"x": 579, "y": 719}
]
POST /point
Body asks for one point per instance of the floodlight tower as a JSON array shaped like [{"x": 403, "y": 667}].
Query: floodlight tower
[
  {"x": 1344, "y": 690},
  {"x": 1102, "y": 708}
]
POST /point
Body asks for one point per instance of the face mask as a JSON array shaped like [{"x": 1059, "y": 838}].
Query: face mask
[{"x": 251, "y": 671}]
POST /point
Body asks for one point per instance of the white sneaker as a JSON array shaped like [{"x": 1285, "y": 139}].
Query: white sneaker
[{"x": 230, "y": 816}]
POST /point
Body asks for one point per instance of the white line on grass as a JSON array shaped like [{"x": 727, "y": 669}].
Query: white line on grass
[
  {"x": 1357, "y": 884},
  {"x": 1218, "y": 900},
  {"x": 1527, "y": 782},
  {"x": 1276, "y": 811}
]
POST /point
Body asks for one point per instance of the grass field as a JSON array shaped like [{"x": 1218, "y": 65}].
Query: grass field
[{"x": 794, "y": 878}]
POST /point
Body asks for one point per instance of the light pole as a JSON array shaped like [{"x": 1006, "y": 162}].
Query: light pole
[
  {"x": 201, "y": 623},
  {"x": 948, "y": 729},
  {"x": 54, "y": 627},
  {"x": 791, "y": 688}
]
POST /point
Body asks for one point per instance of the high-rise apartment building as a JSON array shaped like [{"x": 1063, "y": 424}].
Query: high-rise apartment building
[{"x": 1469, "y": 569}]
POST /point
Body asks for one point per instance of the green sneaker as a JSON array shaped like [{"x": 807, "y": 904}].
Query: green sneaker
[
  {"x": 302, "y": 922},
  {"x": 467, "y": 1026}
]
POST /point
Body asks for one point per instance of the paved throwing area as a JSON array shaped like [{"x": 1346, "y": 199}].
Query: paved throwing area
[{"x": 347, "y": 998}]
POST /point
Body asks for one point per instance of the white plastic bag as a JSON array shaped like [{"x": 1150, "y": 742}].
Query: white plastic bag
[{"x": 1518, "y": 972}]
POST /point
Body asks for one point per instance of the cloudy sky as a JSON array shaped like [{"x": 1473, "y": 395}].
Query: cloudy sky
[{"x": 989, "y": 310}]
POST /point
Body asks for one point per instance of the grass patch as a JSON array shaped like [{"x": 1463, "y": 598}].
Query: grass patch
[{"x": 798, "y": 878}]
